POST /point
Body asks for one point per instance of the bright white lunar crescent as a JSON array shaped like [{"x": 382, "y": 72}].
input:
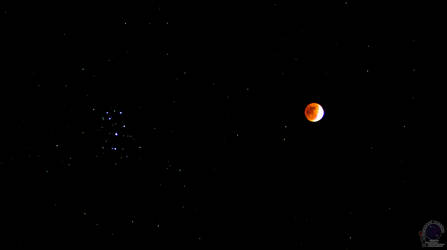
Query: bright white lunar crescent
[{"x": 314, "y": 112}]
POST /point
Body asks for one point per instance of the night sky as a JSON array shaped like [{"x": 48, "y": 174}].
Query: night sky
[{"x": 182, "y": 124}]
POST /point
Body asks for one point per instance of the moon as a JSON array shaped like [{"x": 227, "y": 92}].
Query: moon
[{"x": 314, "y": 112}]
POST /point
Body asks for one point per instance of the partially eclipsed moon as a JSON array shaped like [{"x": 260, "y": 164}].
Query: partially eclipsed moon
[{"x": 314, "y": 112}]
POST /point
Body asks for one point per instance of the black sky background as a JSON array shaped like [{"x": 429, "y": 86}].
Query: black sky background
[{"x": 220, "y": 153}]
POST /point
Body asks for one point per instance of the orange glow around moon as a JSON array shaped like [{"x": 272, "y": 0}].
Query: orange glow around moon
[{"x": 314, "y": 112}]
